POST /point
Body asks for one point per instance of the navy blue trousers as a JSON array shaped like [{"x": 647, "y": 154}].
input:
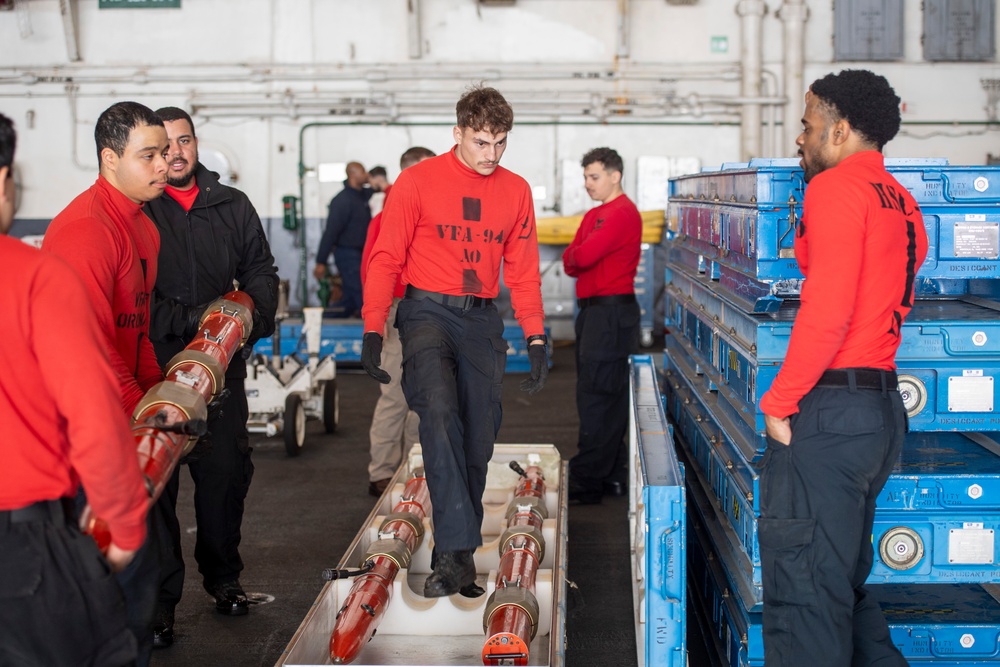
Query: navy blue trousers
[
  {"x": 349, "y": 266},
  {"x": 140, "y": 582},
  {"x": 221, "y": 479},
  {"x": 606, "y": 334},
  {"x": 59, "y": 604},
  {"x": 453, "y": 367},
  {"x": 817, "y": 510}
]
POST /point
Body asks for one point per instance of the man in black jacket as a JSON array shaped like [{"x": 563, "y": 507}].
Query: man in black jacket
[
  {"x": 210, "y": 235},
  {"x": 346, "y": 229}
]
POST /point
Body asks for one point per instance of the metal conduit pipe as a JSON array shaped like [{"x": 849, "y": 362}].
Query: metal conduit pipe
[
  {"x": 413, "y": 36},
  {"x": 396, "y": 106},
  {"x": 624, "y": 40},
  {"x": 751, "y": 37},
  {"x": 278, "y": 72},
  {"x": 793, "y": 15},
  {"x": 769, "y": 85},
  {"x": 403, "y": 116},
  {"x": 67, "y": 9}
]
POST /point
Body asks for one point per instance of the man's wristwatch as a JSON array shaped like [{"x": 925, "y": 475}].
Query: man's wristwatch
[{"x": 541, "y": 337}]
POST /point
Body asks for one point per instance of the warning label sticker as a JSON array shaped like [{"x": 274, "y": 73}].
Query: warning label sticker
[
  {"x": 970, "y": 394},
  {"x": 977, "y": 239},
  {"x": 970, "y": 546}
]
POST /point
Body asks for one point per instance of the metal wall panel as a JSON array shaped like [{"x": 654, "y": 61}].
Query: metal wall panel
[
  {"x": 868, "y": 30},
  {"x": 958, "y": 30}
]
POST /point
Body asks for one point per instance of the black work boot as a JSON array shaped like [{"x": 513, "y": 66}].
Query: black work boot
[
  {"x": 229, "y": 598},
  {"x": 454, "y": 571},
  {"x": 163, "y": 627}
]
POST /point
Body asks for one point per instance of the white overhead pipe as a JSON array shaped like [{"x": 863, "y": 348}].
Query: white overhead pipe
[
  {"x": 584, "y": 74},
  {"x": 414, "y": 38},
  {"x": 751, "y": 55},
  {"x": 793, "y": 15},
  {"x": 67, "y": 9},
  {"x": 769, "y": 86},
  {"x": 623, "y": 30}
]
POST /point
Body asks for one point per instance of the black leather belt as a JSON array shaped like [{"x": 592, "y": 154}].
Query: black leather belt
[
  {"x": 613, "y": 300},
  {"x": 464, "y": 301},
  {"x": 54, "y": 511},
  {"x": 863, "y": 378}
]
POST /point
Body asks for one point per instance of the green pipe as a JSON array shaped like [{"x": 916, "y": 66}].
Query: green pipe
[{"x": 303, "y": 257}]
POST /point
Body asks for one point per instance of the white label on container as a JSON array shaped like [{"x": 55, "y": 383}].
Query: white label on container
[
  {"x": 975, "y": 217},
  {"x": 970, "y": 394},
  {"x": 970, "y": 546},
  {"x": 973, "y": 373},
  {"x": 977, "y": 239}
]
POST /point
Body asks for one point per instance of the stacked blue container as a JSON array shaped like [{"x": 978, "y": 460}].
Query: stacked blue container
[{"x": 731, "y": 292}]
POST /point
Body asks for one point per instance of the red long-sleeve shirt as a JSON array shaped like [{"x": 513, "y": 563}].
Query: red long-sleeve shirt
[
  {"x": 60, "y": 413},
  {"x": 446, "y": 228},
  {"x": 111, "y": 244},
  {"x": 605, "y": 252},
  {"x": 859, "y": 245},
  {"x": 373, "y": 230}
]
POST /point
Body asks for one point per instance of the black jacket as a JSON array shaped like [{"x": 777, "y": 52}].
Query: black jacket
[
  {"x": 346, "y": 223},
  {"x": 202, "y": 252}
]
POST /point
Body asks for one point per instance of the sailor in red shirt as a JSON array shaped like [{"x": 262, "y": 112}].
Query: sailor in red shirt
[
  {"x": 447, "y": 228},
  {"x": 107, "y": 239},
  {"x": 835, "y": 419},
  {"x": 61, "y": 423},
  {"x": 394, "y": 425},
  {"x": 603, "y": 258}
]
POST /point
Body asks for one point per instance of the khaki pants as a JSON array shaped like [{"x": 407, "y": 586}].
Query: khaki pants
[{"x": 394, "y": 425}]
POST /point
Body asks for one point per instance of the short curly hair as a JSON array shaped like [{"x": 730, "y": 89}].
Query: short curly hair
[
  {"x": 864, "y": 99},
  {"x": 608, "y": 157},
  {"x": 483, "y": 108}
]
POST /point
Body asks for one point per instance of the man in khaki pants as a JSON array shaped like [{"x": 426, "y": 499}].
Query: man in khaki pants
[{"x": 394, "y": 425}]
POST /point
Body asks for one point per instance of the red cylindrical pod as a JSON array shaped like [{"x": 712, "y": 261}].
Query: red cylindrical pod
[
  {"x": 511, "y": 615},
  {"x": 193, "y": 378},
  {"x": 399, "y": 536},
  {"x": 362, "y": 610}
]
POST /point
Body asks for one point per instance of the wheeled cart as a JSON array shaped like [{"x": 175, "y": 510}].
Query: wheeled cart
[
  {"x": 284, "y": 391},
  {"x": 414, "y": 630}
]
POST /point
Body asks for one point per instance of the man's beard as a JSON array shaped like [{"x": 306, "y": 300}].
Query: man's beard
[{"x": 181, "y": 181}]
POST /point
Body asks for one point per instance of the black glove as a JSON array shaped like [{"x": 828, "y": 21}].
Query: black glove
[
  {"x": 258, "y": 329},
  {"x": 538, "y": 355},
  {"x": 193, "y": 320},
  {"x": 215, "y": 405},
  {"x": 371, "y": 357}
]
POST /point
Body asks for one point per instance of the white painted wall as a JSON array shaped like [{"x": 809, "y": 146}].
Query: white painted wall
[{"x": 258, "y": 71}]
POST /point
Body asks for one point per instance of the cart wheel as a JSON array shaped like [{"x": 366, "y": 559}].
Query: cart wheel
[
  {"x": 295, "y": 424},
  {"x": 331, "y": 406}
]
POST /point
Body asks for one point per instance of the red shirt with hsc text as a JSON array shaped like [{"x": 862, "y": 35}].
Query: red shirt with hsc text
[
  {"x": 448, "y": 229},
  {"x": 111, "y": 244},
  {"x": 859, "y": 244},
  {"x": 60, "y": 413},
  {"x": 605, "y": 252}
]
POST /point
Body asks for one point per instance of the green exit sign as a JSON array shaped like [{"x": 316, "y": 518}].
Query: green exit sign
[
  {"x": 139, "y": 4},
  {"x": 719, "y": 44}
]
